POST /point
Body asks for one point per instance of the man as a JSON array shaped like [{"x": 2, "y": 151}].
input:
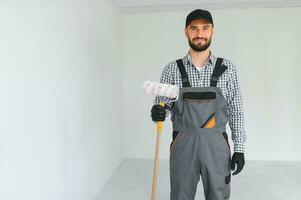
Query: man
[{"x": 209, "y": 98}]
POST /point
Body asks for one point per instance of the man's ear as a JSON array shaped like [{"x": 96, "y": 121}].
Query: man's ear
[{"x": 185, "y": 31}]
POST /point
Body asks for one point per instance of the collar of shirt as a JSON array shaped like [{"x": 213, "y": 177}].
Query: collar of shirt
[{"x": 187, "y": 61}]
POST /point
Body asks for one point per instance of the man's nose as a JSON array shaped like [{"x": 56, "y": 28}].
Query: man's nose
[
  {"x": 199, "y": 32},
  {"x": 200, "y": 35}
]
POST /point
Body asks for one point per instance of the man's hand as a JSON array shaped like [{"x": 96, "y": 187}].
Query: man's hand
[
  {"x": 239, "y": 159},
  {"x": 158, "y": 113}
]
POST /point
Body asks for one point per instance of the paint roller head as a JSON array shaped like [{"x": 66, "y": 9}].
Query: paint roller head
[{"x": 160, "y": 89}]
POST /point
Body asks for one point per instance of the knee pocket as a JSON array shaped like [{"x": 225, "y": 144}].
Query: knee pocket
[
  {"x": 228, "y": 178},
  {"x": 227, "y": 187}
]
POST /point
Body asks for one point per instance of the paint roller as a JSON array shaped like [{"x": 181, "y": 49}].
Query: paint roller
[{"x": 164, "y": 90}]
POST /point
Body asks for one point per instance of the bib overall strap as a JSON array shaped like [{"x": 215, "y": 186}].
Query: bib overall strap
[
  {"x": 184, "y": 76},
  {"x": 219, "y": 69}
]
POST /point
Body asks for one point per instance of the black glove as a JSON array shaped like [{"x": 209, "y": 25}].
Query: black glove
[
  {"x": 158, "y": 113},
  {"x": 239, "y": 159}
]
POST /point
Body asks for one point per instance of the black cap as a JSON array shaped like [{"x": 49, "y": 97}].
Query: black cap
[{"x": 199, "y": 14}]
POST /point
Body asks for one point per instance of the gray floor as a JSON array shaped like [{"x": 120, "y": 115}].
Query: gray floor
[{"x": 258, "y": 181}]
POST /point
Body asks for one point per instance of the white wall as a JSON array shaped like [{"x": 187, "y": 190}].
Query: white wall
[
  {"x": 60, "y": 104},
  {"x": 263, "y": 43},
  {"x": 67, "y": 106}
]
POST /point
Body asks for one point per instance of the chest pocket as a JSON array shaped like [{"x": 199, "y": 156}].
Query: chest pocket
[{"x": 199, "y": 109}]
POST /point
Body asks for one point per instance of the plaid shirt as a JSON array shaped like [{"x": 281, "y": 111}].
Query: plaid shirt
[{"x": 228, "y": 83}]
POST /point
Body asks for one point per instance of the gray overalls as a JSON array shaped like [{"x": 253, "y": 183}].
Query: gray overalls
[{"x": 200, "y": 142}]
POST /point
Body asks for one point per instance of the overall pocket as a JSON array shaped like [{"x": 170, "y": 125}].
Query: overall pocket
[
  {"x": 224, "y": 136},
  {"x": 199, "y": 109},
  {"x": 210, "y": 122},
  {"x": 174, "y": 140},
  {"x": 199, "y": 96}
]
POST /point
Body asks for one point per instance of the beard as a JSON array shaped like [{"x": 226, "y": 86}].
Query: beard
[{"x": 199, "y": 47}]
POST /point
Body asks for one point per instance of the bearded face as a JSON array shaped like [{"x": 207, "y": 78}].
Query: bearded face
[
  {"x": 199, "y": 34},
  {"x": 199, "y": 43}
]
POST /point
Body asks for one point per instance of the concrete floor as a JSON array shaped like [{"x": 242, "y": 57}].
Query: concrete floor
[{"x": 258, "y": 181}]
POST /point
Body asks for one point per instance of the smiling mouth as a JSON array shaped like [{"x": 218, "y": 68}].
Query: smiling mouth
[{"x": 199, "y": 40}]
